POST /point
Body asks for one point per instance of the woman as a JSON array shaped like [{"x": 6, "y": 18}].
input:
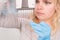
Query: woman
[{"x": 44, "y": 24}]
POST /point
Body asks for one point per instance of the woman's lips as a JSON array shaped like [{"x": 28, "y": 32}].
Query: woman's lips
[{"x": 39, "y": 13}]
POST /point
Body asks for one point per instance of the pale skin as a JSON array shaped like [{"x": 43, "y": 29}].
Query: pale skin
[{"x": 45, "y": 11}]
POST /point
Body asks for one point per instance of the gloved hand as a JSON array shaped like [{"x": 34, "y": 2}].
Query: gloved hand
[{"x": 42, "y": 29}]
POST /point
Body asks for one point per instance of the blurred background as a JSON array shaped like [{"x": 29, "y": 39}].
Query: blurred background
[
  {"x": 25, "y": 7},
  {"x": 21, "y": 7},
  {"x": 8, "y": 9}
]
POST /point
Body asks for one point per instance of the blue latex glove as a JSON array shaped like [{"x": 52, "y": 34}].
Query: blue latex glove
[{"x": 42, "y": 29}]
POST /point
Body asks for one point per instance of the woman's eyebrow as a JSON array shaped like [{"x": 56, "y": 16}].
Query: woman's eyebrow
[{"x": 47, "y": 0}]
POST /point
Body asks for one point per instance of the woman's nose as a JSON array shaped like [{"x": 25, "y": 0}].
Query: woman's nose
[{"x": 39, "y": 6}]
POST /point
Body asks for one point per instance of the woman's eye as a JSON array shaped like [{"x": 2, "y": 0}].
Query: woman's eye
[
  {"x": 47, "y": 2},
  {"x": 37, "y": 1}
]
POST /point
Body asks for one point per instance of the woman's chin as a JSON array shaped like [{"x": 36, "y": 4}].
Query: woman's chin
[{"x": 41, "y": 18}]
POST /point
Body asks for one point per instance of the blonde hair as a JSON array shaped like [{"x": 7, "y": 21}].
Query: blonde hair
[{"x": 58, "y": 11}]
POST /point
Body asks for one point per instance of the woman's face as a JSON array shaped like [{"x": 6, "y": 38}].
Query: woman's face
[{"x": 44, "y": 9}]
